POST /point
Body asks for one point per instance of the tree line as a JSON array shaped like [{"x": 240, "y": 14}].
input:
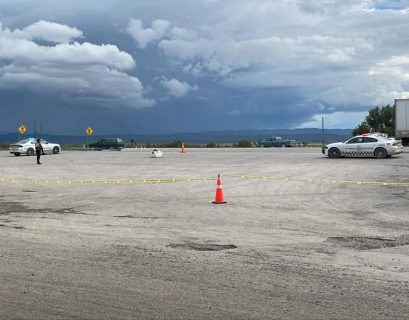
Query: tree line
[{"x": 378, "y": 119}]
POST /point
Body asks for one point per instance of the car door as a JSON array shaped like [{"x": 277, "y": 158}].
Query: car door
[
  {"x": 353, "y": 147},
  {"x": 267, "y": 142},
  {"x": 100, "y": 144},
  {"x": 47, "y": 147},
  {"x": 368, "y": 146},
  {"x": 109, "y": 143}
]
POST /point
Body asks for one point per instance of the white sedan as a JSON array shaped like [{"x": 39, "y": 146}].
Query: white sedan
[
  {"x": 27, "y": 147},
  {"x": 366, "y": 145}
]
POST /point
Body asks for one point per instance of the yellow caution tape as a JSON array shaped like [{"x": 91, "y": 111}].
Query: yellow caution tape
[
  {"x": 103, "y": 181},
  {"x": 283, "y": 178},
  {"x": 177, "y": 180}
]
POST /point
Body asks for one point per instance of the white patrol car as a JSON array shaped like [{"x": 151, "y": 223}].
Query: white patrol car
[
  {"x": 27, "y": 147},
  {"x": 366, "y": 145}
]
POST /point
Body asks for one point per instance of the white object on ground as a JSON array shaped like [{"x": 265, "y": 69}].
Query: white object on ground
[{"x": 157, "y": 153}]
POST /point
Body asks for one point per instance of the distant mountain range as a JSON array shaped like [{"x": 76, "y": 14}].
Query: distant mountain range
[{"x": 300, "y": 135}]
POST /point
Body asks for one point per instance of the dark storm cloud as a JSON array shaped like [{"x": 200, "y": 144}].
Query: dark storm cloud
[{"x": 199, "y": 65}]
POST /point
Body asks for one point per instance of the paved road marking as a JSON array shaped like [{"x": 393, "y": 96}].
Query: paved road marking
[{"x": 176, "y": 180}]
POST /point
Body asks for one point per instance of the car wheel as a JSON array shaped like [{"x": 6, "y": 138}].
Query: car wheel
[
  {"x": 334, "y": 153},
  {"x": 380, "y": 153},
  {"x": 56, "y": 150},
  {"x": 30, "y": 151}
]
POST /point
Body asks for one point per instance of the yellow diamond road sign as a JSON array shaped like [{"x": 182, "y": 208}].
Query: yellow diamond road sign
[
  {"x": 22, "y": 129},
  {"x": 89, "y": 131}
]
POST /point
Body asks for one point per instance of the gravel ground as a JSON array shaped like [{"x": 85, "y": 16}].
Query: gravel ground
[{"x": 121, "y": 235}]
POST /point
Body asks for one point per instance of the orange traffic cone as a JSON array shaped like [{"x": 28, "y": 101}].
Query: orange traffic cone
[
  {"x": 182, "y": 148},
  {"x": 219, "y": 192}
]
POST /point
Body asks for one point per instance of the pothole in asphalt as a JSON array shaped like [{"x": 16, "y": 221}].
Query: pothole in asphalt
[
  {"x": 368, "y": 243},
  {"x": 14, "y": 227},
  {"x": 9, "y": 207},
  {"x": 68, "y": 211},
  {"x": 202, "y": 247}
]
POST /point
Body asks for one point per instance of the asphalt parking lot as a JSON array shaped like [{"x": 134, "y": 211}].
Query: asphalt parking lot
[{"x": 121, "y": 235}]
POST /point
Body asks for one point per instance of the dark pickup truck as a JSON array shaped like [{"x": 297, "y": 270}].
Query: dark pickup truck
[
  {"x": 276, "y": 142},
  {"x": 108, "y": 143}
]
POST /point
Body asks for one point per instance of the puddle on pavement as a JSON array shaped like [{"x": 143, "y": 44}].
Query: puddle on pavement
[{"x": 369, "y": 243}]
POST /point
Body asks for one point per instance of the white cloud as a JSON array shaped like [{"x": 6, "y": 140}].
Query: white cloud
[
  {"x": 272, "y": 53},
  {"x": 177, "y": 33},
  {"x": 145, "y": 36},
  {"x": 336, "y": 120},
  {"x": 13, "y": 47},
  {"x": 396, "y": 67},
  {"x": 177, "y": 88},
  {"x": 76, "y": 70},
  {"x": 51, "y": 31},
  {"x": 326, "y": 49}
]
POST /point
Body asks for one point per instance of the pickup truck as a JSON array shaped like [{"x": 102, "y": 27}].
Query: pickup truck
[
  {"x": 276, "y": 142},
  {"x": 108, "y": 143}
]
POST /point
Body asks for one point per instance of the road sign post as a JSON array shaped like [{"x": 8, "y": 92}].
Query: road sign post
[
  {"x": 22, "y": 129},
  {"x": 89, "y": 131}
]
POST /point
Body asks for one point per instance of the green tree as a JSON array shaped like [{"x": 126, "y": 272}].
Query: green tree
[
  {"x": 361, "y": 128},
  {"x": 378, "y": 119}
]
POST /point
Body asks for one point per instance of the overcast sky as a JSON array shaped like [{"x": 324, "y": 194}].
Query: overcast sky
[{"x": 199, "y": 65}]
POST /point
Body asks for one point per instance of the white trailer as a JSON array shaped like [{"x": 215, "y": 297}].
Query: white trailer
[{"x": 402, "y": 120}]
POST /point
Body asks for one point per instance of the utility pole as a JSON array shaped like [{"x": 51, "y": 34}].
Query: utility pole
[
  {"x": 35, "y": 130},
  {"x": 122, "y": 131},
  {"x": 322, "y": 131}
]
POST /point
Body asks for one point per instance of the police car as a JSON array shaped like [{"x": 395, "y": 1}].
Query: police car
[
  {"x": 376, "y": 145},
  {"x": 27, "y": 146}
]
